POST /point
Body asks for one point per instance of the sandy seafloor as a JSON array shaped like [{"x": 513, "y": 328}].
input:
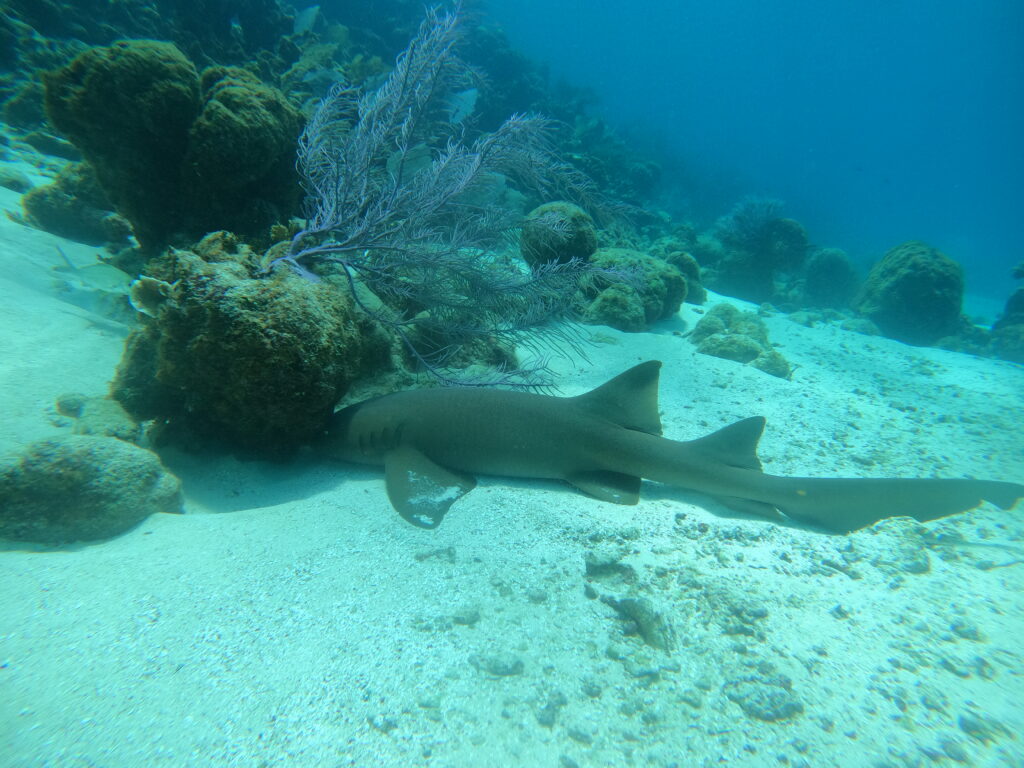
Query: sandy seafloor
[{"x": 291, "y": 618}]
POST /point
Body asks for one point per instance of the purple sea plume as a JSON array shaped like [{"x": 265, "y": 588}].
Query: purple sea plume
[{"x": 404, "y": 205}]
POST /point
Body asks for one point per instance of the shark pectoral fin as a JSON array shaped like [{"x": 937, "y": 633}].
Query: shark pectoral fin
[
  {"x": 420, "y": 490},
  {"x": 608, "y": 486}
]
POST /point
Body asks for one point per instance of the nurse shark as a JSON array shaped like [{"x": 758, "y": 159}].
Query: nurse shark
[{"x": 433, "y": 442}]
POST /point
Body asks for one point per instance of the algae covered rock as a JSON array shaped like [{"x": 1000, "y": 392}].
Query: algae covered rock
[
  {"x": 768, "y": 698},
  {"x": 256, "y": 360},
  {"x": 652, "y": 290},
  {"x": 830, "y": 279},
  {"x": 102, "y": 416},
  {"x": 617, "y": 306},
  {"x": 914, "y": 294},
  {"x": 82, "y": 488},
  {"x": 178, "y": 154},
  {"x": 128, "y": 108},
  {"x": 1008, "y": 330},
  {"x": 735, "y": 347},
  {"x": 732, "y": 334},
  {"x": 76, "y": 207},
  {"x": 243, "y": 133},
  {"x": 24, "y": 108},
  {"x": 725, "y": 319},
  {"x": 1008, "y": 342},
  {"x": 1013, "y": 312},
  {"x": 651, "y": 624},
  {"x": 772, "y": 362},
  {"x": 696, "y": 293},
  {"x": 558, "y": 232}
]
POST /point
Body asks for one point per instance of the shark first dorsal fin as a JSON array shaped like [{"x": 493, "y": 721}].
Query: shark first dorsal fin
[
  {"x": 629, "y": 400},
  {"x": 734, "y": 445}
]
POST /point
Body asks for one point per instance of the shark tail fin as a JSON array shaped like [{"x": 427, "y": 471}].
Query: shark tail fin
[
  {"x": 629, "y": 400},
  {"x": 847, "y": 504},
  {"x": 734, "y": 445}
]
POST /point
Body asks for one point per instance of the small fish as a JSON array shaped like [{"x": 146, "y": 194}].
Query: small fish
[
  {"x": 461, "y": 105},
  {"x": 305, "y": 20},
  {"x": 98, "y": 276},
  {"x": 417, "y": 158}
]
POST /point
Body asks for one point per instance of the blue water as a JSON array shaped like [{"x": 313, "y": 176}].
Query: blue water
[{"x": 876, "y": 121}]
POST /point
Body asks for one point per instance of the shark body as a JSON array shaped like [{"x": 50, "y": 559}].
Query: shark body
[{"x": 432, "y": 442}]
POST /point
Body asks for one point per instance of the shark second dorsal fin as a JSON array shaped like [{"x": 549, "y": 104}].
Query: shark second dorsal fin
[
  {"x": 734, "y": 445},
  {"x": 629, "y": 400}
]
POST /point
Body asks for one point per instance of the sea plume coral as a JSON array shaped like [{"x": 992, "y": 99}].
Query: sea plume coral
[{"x": 404, "y": 205}]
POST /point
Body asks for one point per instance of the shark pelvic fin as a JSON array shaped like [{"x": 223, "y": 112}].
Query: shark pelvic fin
[
  {"x": 629, "y": 400},
  {"x": 608, "y": 486},
  {"x": 750, "y": 507},
  {"x": 421, "y": 490}
]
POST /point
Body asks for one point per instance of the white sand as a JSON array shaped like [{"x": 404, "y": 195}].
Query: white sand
[{"x": 293, "y": 619}]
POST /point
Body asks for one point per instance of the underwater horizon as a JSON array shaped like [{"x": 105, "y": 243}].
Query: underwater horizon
[{"x": 876, "y": 122}]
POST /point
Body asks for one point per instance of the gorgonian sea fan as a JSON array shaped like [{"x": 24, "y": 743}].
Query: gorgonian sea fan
[{"x": 402, "y": 204}]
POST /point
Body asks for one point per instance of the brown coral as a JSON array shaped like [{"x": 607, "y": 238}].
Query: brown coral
[
  {"x": 652, "y": 291},
  {"x": 914, "y": 294},
  {"x": 178, "y": 154},
  {"x": 558, "y": 232},
  {"x": 257, "y": 361}
]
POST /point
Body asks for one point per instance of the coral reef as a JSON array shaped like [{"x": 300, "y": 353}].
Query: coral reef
[
  {"x": 1008, "y": 343},
  {"x": 676, "y": 250},
  {"x": 1013, "y": 312},
  {"x": 557, "y": 232},
  {"x": 732, "y": 334},
  {"x": 652, "y": 290},
  {"x": 514, "y": 85},
  {"x": 82, "y": 488},
  {"x": 201, "y": 28},
  {"x": 24, "y": 108},
  {"x": 696, "y": 293},
  {"x": 754, "y": 245},
  {"x": 244, "y": 133},
  {"x": 75, "y": 206},
  {"x": 829, "y": 280},
  {"x": 232, "y": 354},
  {"x": 914, "y": 294},
  {"x": 178, "y": 155},
  {"x": 98, "y": 416},
  {"x": 1008, "y": 330}
]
